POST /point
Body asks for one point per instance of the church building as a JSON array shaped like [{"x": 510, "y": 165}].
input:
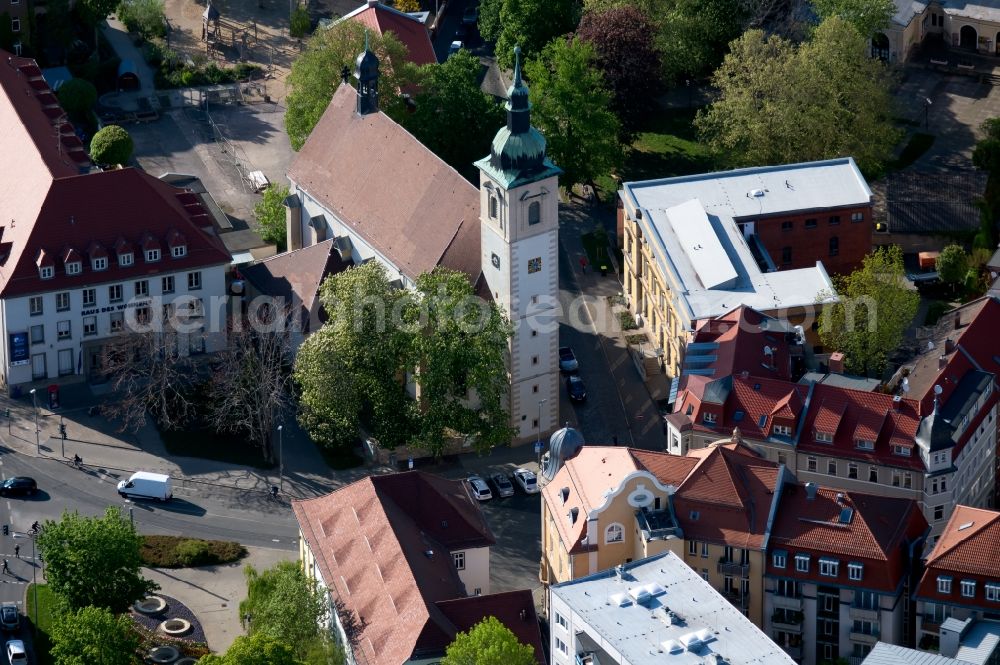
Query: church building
[{"x": 364, "y": 182}]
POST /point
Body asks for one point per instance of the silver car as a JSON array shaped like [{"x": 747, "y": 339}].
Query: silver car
[
  {"x": 527, "y": 480},
  {"x": 502, "y": 485},
  {"x": 480, "y": 489}
]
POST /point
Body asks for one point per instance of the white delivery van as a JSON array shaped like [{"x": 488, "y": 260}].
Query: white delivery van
[{"x": 145, "y": 485}]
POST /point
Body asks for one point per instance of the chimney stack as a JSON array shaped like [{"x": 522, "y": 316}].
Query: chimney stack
[
  {"x": 836, "y": 363},
  {"x": 942, "y": 362},
  {"x": 949, "y": 345}
]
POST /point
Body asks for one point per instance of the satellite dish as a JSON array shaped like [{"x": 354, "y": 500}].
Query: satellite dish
[
  {"x": 938, "y": 390},
  {"x": 906, "y": 385}
]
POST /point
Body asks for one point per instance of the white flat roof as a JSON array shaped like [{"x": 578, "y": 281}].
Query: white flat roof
[
  {"x": 697, "y": 240},
  {"x": 703, "y": 621}
]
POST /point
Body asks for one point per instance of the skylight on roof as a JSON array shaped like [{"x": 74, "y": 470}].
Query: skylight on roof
[
  {"x": 846, "y": 515},
  {"x": 965, "y": 526},
  {"x": 619, "y": 599},
  {"x": 738, "y": 416},
  {"x": 762, "y": 421}
]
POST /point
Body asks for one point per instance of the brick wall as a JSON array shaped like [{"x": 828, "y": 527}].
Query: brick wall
[{"x": 799, "y": 240}]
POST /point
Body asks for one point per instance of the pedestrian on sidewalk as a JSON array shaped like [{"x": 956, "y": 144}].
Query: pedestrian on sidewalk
[
  {"x": 6, "y": 568},
  {"x": 17, "y": 551},
  {"x": 583, "y": 264}
]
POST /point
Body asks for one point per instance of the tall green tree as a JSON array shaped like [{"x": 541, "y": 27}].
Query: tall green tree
[
  {"x": 867, "y": 16},
  {"x": 531, "y": 24},
  {"x": 77, "y": 97},
  {"x": 316, "y": 73},
  {"x": 270, "y": 215},
  {"x": 111, "y": 144},
  {"x": 453, "y": 117},
  {"x": 781, "y": 103},
  {"x": 94, "y": 11},
  {"x": 874, "y": 308},
  {"x": 93, "y": 636},
  {"x": 952, "y": 264},
  {"x": 489, "y": 642},
  {"x": 986, "y": 156},
  {"x": 442, "y": 337},
  {"x": 94, "y": 560},
  {"x": 287, "y": 607},
  {"x": 693, "y": 35},
  {"x": 628, "y": 61},
  {"x": 489, "y": 19},
  {"x": 254, "y": 649},
  {"x": 572, "y": 109}
]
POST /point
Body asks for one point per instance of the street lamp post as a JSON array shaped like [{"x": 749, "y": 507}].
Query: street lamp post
[
  {"x": 131, "y": 515},
  {"x": 538, "y": 439},
  {"x": 927, "y": 108},
  {"x": 34, "y": 402},
  {"x": 281, "y": 460}
]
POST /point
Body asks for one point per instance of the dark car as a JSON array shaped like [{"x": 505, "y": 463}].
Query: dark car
[
  {"x": 18, "y": 485},
  {"x": 577, "y": 391},
  {"x": 567, "y": 360},
  {"x": 470, "y": 16},
  {"x": 10, "y": 618}
]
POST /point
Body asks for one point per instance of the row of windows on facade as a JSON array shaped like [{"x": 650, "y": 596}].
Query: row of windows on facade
[
  {"x": 899, "y": 478},
  {"x": 116, "y": 293},
  {"x": 827, "y": 602},
  {"x": 968, "y": 588},
  {"x": 64, "y": 329},
  {"x": 728, "y": 552},
  {"x": 828, "y": 567},
  {"x": 99, "y": 263},
  {"x": 832, "y": 220}
]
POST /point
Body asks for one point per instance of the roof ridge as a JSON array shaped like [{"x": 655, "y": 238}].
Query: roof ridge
[{"x": 285, "y": 254}]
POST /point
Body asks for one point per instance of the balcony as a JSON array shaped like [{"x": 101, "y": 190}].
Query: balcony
[
  {"x": 794, "y": 652},
  {"x": 864, "y": 614},
  {"x": 787, "y": 602},
  {"x": 733, "y": 569},
  {"x": 787, "y": 621},
  {"x": 740, "y": 600},
  {"x": 656, "y": 524},
  {"x": 865, "y": 638}
]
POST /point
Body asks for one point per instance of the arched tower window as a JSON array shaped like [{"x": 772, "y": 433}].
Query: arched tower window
[
  {"x": 493, "y": 207},
  {"x": 534, "y": 213},
  {"x": 615, "y": 533}
]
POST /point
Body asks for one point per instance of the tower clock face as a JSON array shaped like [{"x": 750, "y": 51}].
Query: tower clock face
[{"x": 496, "y": 262}]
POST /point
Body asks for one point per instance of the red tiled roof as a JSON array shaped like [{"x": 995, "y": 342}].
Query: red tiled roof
[
  {"x": 731, "y": 489},
  {"x": 741, "y": 336},
  {"x": 351, "y": 161},
  {"x": 752, "y": 405},
  {"x": 852, "y": 411},
  {"x": 514, "y": 609},
  {"x": 668, "y": 469},
  {"x": 407, "y": 29},
  {"x": 371, "y": 539},
  {"x": 876, "y": 535},
  {"x": 966, "y": 550}
]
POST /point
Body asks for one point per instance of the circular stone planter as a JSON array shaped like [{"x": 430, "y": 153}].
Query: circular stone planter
[
  {"x": 165, "y": 655},
  {"x": 150, "y": 605},
  {"x": 175, "y": 627},
  {"x": 186, "y": 661}
]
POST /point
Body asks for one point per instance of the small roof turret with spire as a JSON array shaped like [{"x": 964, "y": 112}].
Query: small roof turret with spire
[{"x": 366, "y": 71}]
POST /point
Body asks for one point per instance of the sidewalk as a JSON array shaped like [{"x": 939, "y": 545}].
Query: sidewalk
[{"x": 640, "y": 416}]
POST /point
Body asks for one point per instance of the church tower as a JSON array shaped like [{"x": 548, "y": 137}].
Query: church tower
[{"x": 519, "y": 211}]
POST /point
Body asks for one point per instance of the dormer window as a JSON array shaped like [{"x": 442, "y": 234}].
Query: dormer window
[
  {"x": 782, "y": 430},
  {"x": 902, "y": 451},
  {"x": 46, "y": 272},
  {"x": 126, "y": 259},
  {"x": 864, "y": 444},
  {"x": 179, "y": 251},
  {"x": 944, "y": 584},
  {"x": 100, "y": 263},
  {"x": 152, "y": 255},
  {"x": 824, "y": 437},
  {"x": 709, "y": 418},
  {"x": 74, "y": 268}
]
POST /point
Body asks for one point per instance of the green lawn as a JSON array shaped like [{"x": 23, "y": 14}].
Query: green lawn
[
  {"x": 46, "y": 604},
  {"x": 667, "y": 147}
]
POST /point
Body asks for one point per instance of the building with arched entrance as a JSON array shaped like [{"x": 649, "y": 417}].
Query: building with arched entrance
[{"x": 970, "y": 26}]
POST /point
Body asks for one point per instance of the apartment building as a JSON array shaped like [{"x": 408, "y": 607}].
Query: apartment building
[
  {"x": 960, "y": 579},
  {"x": 840, "y": 565},
  {"x": 712, "y": 508},
  {"x": 405, "y": 562},
  {"x": 696, "y": 247},
  {"x": 653, "y": 611},
  {"x": 86, "y": 256}
]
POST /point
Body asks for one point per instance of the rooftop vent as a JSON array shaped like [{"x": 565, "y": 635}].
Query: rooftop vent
[
  {"x": 429, "y": 553},
  {"x": 672, "y": 646},
  {"x": 619, "y": 599},
  {"x": 811, "y": 491},
  {"x": 840, "y": 498},
  {"x": 965, "y": 526},
  {"x": 755, "y": 193}
]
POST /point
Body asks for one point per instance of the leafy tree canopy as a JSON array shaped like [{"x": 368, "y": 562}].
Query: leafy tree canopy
[
  {"x": 111, "y": 145},
  {"x": 93, "y": 636},
  {"x": 693, "y": 35},
  {"x": 316, "y": 74},
  {"x": 874, "y": 309},
  {"x": 571, "y": 107},
  {"x": 453, "y": 117},
  {"x": 531, "y": 24},
  {"x": 77, "y": 97},
  {"x": 299, "y": 22},
  {"x": 95, "y": 11},
  {"x": 627, "y": 59},
  {"x": 353, "y": 370},
  {"x": 782, "y": 103},
  {"x": 254, "y": 649},
  {"x": 94, "y": 560},
  {"x": 867, "y": 16},
  {"x": 488, "y": 643},
  {"x": 952, "y": 264},
  {"x": 270, "y": 214}
]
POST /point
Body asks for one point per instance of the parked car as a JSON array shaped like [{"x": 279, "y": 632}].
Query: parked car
[
  {"x": 577, "y": 390},
  {"x": 18, "y": 485},
  {"x": 567, "y": 360},
  {"x": 10, "y": 617},
  {"x": 16, "y": 655},
  {"x": 145, "y": 485},
  {"x": 480, "y": 489},
  {"x": 502, "y": 485},
  {"x": 470, "y": 16},
  {"x": 455, "y": 47},
  {"x": 527, "y": 480}
]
